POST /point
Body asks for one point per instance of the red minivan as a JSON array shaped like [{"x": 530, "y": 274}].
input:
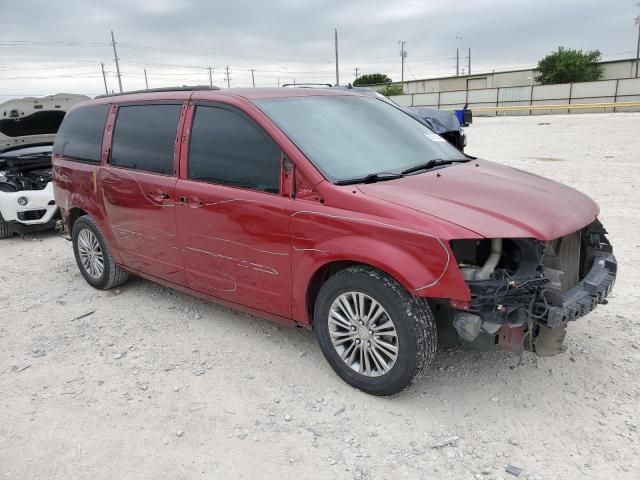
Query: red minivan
[{"x": 333, "y": 210}]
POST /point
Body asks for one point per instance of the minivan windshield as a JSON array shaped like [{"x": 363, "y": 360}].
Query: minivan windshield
[{"x": 352, "y": 138}]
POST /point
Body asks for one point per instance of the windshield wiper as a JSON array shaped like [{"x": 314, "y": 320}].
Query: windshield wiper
[
  {"x": 371, "y": 178},
  {"x": 436, "y": 162}
]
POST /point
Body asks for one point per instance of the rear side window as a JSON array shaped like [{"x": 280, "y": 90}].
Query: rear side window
[
  {"x": 80, "y": 135},
  {"x": 144, "y": 137},
  {"x": 226, "y": 147}
]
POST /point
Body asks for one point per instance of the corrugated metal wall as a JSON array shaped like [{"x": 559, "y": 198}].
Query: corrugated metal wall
[{"x": 603, "y": 91}]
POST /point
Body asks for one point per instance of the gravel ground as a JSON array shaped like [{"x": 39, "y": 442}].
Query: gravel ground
[{"x": 158, "y": 384}]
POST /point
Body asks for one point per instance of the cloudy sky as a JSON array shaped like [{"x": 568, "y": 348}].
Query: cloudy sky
[{"x": 57, "y": 46}]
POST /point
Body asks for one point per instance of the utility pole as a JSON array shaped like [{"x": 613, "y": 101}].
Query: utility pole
[
  {"x": 469, "y": 66},
  {"x": 115, "y": 54},
  {"x": 104, "y": 78},
  {"x": 458, "y": 57},
  {"x": 253, "y": 79},
  {"x": 228, "y": 79},
  {"x": 210, "y": 76},
  {"x": 403, "y": 55},
  {"x": 357, "y": 70},
  {"x": 337, "y": 71},
  {"x": 638, "y": 46},
  {"x": 146, "y": 82}
]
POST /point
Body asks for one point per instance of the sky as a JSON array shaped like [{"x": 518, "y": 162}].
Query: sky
[{"x": 49, "y": 47}]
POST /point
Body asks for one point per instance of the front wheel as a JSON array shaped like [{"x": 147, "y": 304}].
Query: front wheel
[
  {"x": 5, "y": 228},
  {"x": 374, "y": 334},
  {"x": 93, "y": 257}
]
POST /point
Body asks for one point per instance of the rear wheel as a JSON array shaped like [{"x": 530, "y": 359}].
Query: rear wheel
[
  {"x": 5, "y": 229},
  {"x": 374, "y": 334},
  {"x": 93, "y": 257}
]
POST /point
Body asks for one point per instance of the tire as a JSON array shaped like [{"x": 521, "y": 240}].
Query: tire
[
  {"x": 415, "y": 339},
  {"x": 5, "y": 229},
  {"x": 110, "y": 275}
]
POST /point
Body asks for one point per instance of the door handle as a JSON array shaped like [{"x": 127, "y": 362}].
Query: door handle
[
  {"x": 159, "y": 196},
  {"x": 190, "y": 202}
]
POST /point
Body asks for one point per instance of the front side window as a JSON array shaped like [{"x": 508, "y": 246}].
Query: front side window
[
  {"x": 226, "y": 147},
  {"x": 144, "y": 137},
  {"x": 80, "y": 135},
  {"x": 350, "y": 137}
]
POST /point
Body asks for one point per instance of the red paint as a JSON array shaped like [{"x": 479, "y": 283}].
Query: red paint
[
  {"x": 259, "y": 251},
  {"x": 511, "y": 338},
  {"x": 492, "y": 200}
]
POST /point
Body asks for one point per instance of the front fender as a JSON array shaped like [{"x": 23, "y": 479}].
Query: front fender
[{"x": 420, "y": 261}]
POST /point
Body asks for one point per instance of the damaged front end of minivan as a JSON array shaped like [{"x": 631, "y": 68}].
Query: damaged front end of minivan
[{"x": 524, "y": 292}]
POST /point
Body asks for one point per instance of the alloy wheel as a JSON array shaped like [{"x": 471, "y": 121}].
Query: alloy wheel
[
  {"x": 90, "y": 253},
  {"x": 363, "y": 334}
]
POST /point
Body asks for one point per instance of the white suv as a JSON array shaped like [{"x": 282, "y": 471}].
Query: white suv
[
  {"x": 26, "y": 191},
  {"x": 27, "y": 129}
]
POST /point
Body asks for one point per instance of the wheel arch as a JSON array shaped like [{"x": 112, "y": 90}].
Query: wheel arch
[
  {"x": 74, "y": 214},
  {"x": 329, "y": 268}
]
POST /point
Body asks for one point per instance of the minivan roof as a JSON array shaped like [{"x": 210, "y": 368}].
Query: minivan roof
[{"x": 212, "y": 94}]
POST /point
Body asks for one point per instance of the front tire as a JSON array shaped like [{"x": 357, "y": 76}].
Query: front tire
[
  {"x": 5, "y": 229},
  {"x": 93, "y": 257},
  {"x": 374, "y": 334}
]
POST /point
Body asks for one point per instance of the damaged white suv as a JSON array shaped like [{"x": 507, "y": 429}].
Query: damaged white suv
[
  {"x": 27, "y": 130},
  {"x": 26, "y": 191}
]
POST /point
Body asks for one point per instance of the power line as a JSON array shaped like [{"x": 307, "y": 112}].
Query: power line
[
  {"x": 15, "y": 43},
  {"x": 208, "y": 54},
  {"x": 48, "y": 67}
]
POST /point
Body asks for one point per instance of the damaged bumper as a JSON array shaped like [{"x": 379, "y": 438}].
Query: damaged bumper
[
  {"x": 529, "y": 306},
  {"x": 586, "y": 295}
]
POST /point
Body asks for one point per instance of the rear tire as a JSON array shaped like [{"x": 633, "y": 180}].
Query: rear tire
[
  {"x": 5, "y": 229},
  {"x": 387, "y": 336},
  {"x": 93, "y": 257}
]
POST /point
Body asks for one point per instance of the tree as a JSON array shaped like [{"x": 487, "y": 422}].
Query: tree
[
  {"x": 567, "y": 65},
  {"x": 371, "y": 79},
  {"x": 389, "y": 90}
]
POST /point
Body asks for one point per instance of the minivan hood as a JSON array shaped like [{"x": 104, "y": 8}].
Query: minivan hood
[{"x": 491, "y": 200}]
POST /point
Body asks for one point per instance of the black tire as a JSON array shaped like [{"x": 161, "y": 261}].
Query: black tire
[
  {"x": 5, "y": 229},
  {"x": 112, "y": 275},
  {"x": 414, "y": 324}
]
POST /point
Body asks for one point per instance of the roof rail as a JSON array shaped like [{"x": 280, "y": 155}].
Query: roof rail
[
  {"x": 183, "y": 88},
  {"x": 307, "y": 85}
]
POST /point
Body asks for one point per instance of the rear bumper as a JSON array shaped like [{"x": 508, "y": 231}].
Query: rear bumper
[{"x": 586, "y": 295}]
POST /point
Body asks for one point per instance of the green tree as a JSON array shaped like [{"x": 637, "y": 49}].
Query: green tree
[
  {"x": 371, "y": 79},
  {"x": 567, "y": 65},
  {"x": 389, "y": 90}
]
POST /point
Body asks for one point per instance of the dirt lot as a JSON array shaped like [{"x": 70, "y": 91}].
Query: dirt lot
[{"x": 157, "y": 384}]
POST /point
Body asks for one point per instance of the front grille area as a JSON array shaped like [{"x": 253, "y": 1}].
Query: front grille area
[{"x": 31, "y": 215}]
